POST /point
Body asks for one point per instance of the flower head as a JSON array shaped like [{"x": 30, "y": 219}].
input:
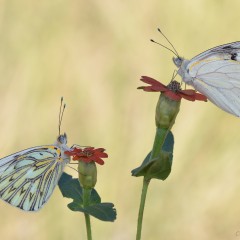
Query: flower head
[
  {"x": 172, "y": 90},
  {"x": 88, "y": 154}
]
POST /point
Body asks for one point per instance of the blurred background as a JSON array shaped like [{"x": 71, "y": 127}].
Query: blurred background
[{"x": 93, "y": 53}]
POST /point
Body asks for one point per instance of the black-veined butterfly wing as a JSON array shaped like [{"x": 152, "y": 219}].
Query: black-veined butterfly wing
[
  {"x": 28, "y": 177},
  {"x": 226, "y": 50},
  {"x": 216, "y": 74}
]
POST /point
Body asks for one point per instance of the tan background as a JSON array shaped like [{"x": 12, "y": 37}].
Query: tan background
[{"x": 93, "y": 53}]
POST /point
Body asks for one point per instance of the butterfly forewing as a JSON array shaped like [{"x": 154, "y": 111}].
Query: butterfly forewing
[
  {"x": 216, "y": 74},
  {"x": 221, "y": 50},
  {"x": 28, "y": 178}
]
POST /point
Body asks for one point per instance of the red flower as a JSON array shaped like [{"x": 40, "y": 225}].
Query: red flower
[
  {"x": 172, "y": 90},
  {"x": 88, "y": 154}
]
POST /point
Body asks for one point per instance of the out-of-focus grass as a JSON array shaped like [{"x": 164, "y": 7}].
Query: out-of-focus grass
[{"x": 93, "y": 53}]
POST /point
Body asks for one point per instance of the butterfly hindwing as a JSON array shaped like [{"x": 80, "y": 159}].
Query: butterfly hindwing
[
  {"x": 28, "y": 177},
  {"x": 226, "y": 99}
]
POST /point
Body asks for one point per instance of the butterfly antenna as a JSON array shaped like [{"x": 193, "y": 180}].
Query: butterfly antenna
[
  {"x": 61, "y": 111},
  {"x": 176, "y": 53},
  {"x": 164, "y": 47}
]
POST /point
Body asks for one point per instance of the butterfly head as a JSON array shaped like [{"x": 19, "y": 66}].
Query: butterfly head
[
  {"x": 62, "y": 139},
  {"x": 178, "y": 61}
]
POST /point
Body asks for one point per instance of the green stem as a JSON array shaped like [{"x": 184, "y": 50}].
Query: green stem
[
  {"x": 160, "y": 137},
  {"x": 157, "y": 147},
  {"x": 141, "y": 207},
  {"x": 86, "y": 199},
  {"x": 166, "y": 112}
]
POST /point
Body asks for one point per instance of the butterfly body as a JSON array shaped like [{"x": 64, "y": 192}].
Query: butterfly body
[
  {"x": 216, "y": 74},
  {"x": 28, "y": 177}
]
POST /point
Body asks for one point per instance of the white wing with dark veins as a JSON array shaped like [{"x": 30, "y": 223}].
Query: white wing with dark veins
[
  {"x": 28, "y": 177},
  {"x": 216, "y": 74}
]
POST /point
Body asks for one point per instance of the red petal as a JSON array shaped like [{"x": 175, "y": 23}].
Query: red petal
[
  {"x": 192, "y": 95},
  {"x": 188, "y": 92},
  {"x": 99, "y": 161},
  {"x": 172, "y": 95},
  {"x": 149, "y": 89},
  {"x": 188, "y": 97},
  {"x": 70, "y": 153},
  {"x": 156, "y": 86},
  {"x": 200, "y": 97},
  {"x": 100, "y": 149},
  {"x": 151, "y": 81},
  {"x": 99, "y": 152},
  {"x": 95, "y": 155},
  {"x": 103, "y": 155},
  {"x": 88, "y": 148}
]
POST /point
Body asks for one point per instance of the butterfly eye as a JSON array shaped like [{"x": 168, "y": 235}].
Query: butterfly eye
[
  {"x": 178, "y": 61},
  {"x": 62, "y": 139}
]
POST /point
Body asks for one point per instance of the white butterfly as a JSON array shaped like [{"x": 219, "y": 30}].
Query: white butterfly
[
  {"x": 28, "y": 177},
  {"x": 214, "y": 73}
]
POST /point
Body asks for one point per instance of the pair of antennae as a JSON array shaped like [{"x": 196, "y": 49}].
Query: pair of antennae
[
  {"x": 62, "y": 108},
  {"x": 174, "y": 51}
]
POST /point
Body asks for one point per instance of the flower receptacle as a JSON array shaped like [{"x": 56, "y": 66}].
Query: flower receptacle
[
  {"x": 166, "y": 111},
  {"x": 87, "y": 174}
]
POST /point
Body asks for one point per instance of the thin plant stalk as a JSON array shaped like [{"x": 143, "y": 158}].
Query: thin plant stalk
[
  {"x": 157, "y": 146},
  {"x": 141, "y": 208},
  {"x": 86, "y": 199}
]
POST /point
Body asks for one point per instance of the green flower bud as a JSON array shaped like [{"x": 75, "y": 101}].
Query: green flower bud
[
  {"x": 166, "y": 111},
  {"x": 87, "y": 174}
]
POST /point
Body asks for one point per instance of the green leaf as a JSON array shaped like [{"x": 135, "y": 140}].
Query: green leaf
[
  {"x": 102, "y": 211},
  {"x": 160, "y": 166},
  {"x": 141, "y": 169},
  {"x": 70, "y": 188}
]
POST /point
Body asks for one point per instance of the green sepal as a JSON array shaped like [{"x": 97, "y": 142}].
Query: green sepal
[
  {"x": 160, "y": 166},
  {"x": 70, "y": 188}
]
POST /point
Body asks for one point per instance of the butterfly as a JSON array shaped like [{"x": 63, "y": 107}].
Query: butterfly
[
  {"x": 214, "y": 73},
  {"x": 28, "y": 177}
]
